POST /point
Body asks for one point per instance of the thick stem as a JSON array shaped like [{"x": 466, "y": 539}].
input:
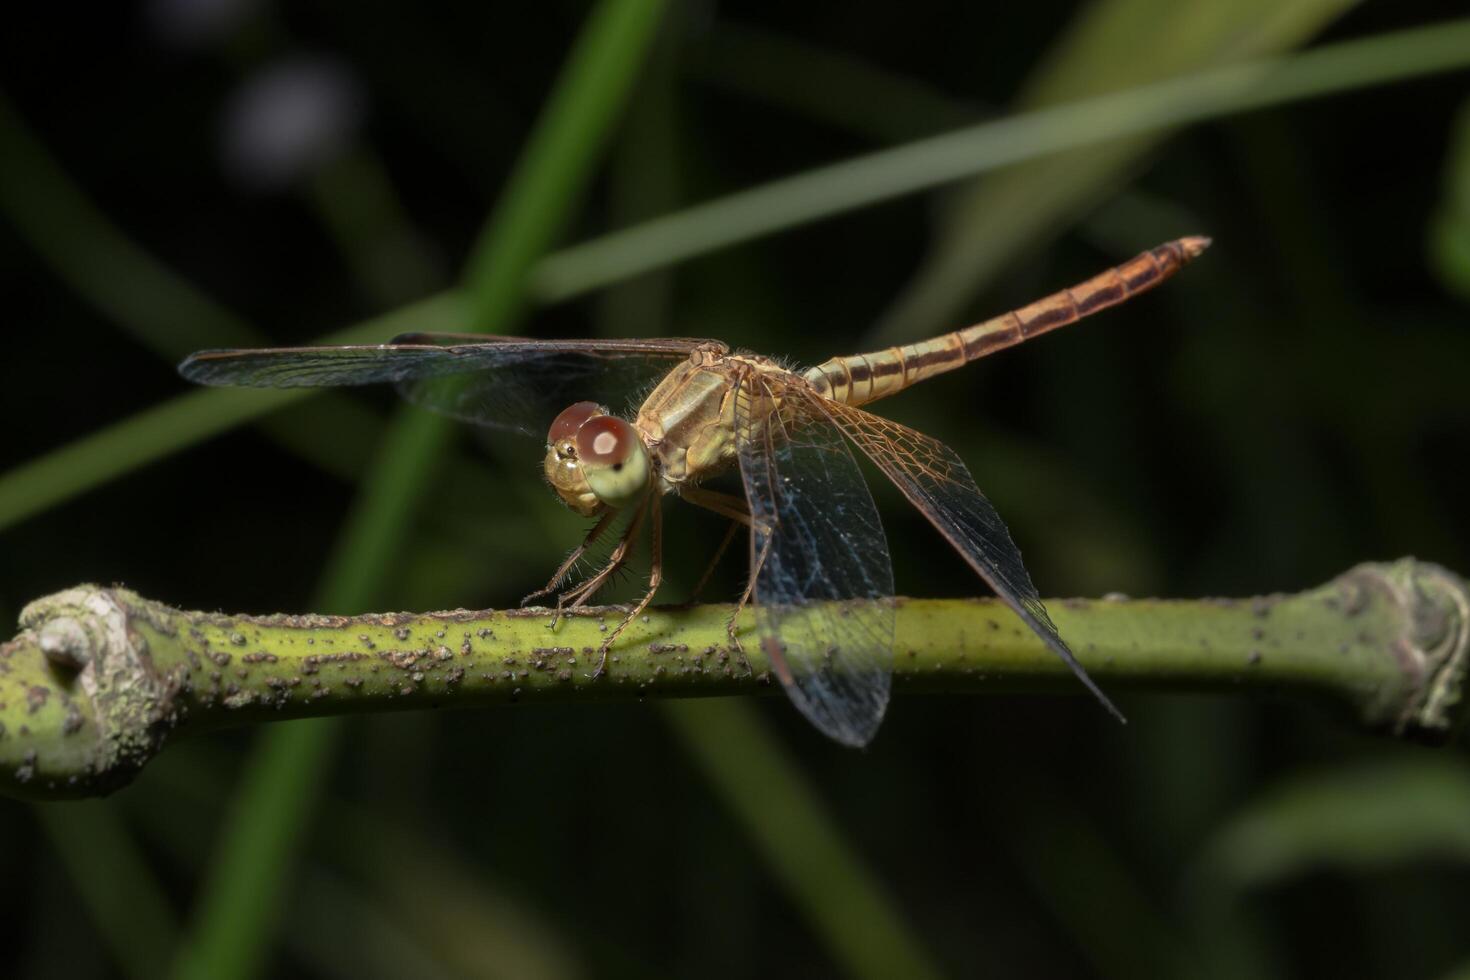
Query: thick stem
[{"x": 99, "y": 679}]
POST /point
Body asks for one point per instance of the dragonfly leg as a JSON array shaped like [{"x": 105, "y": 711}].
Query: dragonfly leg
[
  {"x": 576, "y": 598},
  {"x": 723, "y": 504},
  {"x": 745, "y": 597},
  {"x": 726, "y": 506},
  {"x": 566, "y": 566},
  {"x": 655, "y": 579},
  {"x": 710, "y": 568}
]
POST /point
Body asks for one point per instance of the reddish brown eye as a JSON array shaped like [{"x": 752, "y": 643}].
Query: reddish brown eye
[
  {"x": 606, "y": 440},
  {"x": 570, "y": 420}
]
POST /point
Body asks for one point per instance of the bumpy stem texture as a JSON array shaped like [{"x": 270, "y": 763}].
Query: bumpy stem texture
[{"x": 99, "y": 679}]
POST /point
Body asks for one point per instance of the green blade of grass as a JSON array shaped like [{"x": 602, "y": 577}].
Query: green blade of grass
[
  {"x": 1449, "y": 229},
  {"x": 243, "y": 892},
  {"x": 553, "y": 170},
  {"x": 183, "y": 421},
  {"x": 1357, "y": 819},
  {"x": 929, "y": 163},
  {"x": 126, "y": 903},
  {"x": 887, "y": 107},
  {"x": 827, "y": 84},
  {"x": 827, "y": 882},
  {"x": 235, "y": 916},
  {"x": 1111, "y": 45},
  {"x": 1114, "y": 921},
  {"x": 356, "y": 203},
  {"x": 160, "y": 308}
]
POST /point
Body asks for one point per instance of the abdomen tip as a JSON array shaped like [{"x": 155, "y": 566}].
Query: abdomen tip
[{"x": 1193, "y": 245}]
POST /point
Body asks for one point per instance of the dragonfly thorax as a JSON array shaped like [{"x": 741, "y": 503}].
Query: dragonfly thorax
[{"x": 595, "y": 461}]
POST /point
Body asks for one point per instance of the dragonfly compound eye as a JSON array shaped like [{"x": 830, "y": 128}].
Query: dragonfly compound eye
[
  {"x": 570, "y": 420},
  {"x": 613, "y": 459},
  {"x": 562, "y": 467}
]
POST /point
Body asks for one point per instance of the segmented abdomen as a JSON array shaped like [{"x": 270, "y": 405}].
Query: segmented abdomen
[{"x": 857, "y": 379}]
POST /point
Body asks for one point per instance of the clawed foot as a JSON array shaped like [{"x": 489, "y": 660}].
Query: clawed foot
[
  {"x": 572, "y": 599},
  {"x": 601, "y": 662}
]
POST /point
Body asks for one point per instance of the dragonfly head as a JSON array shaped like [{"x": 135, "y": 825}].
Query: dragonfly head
[{"x": 594, "y": 460}]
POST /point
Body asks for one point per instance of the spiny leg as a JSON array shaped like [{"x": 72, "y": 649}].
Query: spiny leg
[
  {"x": 745, "y": 597},
  {"x": 576, "y": 598},
  {"x": 655, "y": 579},
  {"x": 582, "y": 594},
  {"x": 581, "y": 549}
]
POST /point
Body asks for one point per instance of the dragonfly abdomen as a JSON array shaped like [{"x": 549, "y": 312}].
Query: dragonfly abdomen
[{"x": 858, "y": 379}]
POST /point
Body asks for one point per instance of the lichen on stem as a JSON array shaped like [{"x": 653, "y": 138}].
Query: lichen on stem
[{"x": 99, "y": 679}]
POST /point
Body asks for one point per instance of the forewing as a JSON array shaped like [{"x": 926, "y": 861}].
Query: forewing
[
  {"x": 824, "y": 581},
  {"x": 508, "y": 383},
  {"x": 936, "y": 480}
]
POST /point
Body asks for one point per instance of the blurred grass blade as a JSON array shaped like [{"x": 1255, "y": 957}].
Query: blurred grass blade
[
  {"x": 825, "y": 83},
  {"x": 183, "y": 421},
  {"x": 1117, "y": 925},
  {"x": 828, "y": 883},
  {"x": 473, "y": 928},
  {"x": 1449, "y": 241},
  {"x": 354, "y": 937},
  {"x": 118, "y": 449},
  {"x": 1359, "y": 819},
  {"x": 889, "y": 107},
  {"x": 356, "y": 202},
  {"x": 235, "y": 915},
  {"x": 1111, "y": 45},
  {"x": 92, "y": 256},
  {"x": 126, "y": 904},
  {"x": 866, "y": 180},
  {"x": 552, "y": 172},
  {"x": 926, "y": 164},
  {"x": 244, "y": 889},
  {"x": 160, "y": 308}
]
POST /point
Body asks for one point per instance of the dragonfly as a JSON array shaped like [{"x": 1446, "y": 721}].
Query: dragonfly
[{"x": 821, "y": 578}]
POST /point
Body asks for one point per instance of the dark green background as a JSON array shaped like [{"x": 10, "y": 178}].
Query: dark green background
[{"x": 1293, "y": 404}]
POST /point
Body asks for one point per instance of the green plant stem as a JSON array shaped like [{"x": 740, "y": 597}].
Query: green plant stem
[
  {"x": 554, "y": 167},
  {"x": 1386, "y": 641}
]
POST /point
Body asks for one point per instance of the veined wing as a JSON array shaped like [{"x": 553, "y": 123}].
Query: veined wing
[
  {"x": 503, "y": 382},
  {"x": 824, "y": 581},
  {"x": 936, "y": 481}
]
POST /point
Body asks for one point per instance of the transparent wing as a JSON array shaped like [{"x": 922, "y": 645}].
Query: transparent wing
[
  {"x": 824, "y": 581},
  {"x": 936, "y": 481},
  {"x": 504, "y": 382}
]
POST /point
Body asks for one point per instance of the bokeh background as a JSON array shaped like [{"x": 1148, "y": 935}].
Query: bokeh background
[{"x": 178, "y": 174}]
